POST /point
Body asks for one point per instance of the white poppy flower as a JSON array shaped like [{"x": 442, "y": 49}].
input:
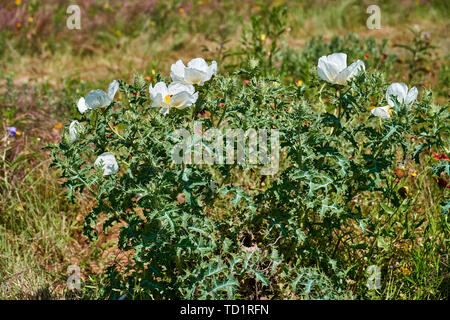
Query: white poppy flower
[
  {"x": 382, "y": 112},
  {"x": 400, "y": 90},
  {"x": 75, "y": 129},
  {"x": 177, "y": 95},
  {"x": 333, "y": 68},
  {"x": 98, "y": 98},
  {"x": 108, "y": 163},
  {"x": 196, "y": 72}
]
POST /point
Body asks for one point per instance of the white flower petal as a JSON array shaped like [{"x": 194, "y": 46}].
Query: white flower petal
[
  {"x": 164, "y": 111},
  {"x": 330, "y": 66},
  {"x": 198, "y": 64},
  {"x": 381, "y": 112},
  {"x": 176, "y": 87},
  {"x": 108, "y": 163},
  {"x": 97, "y": 98},
  {"x": 194, "y": 97},
  {"x": 177, "y": 71},
  {"x": 81, "y": 105},
  {"x": 326, "y": 72},
  {"x": 411, "y": 96},
  {"x": 112, "y": 89},
  {"x": 195, "y": 76},
  {"x": 196, "y": 72},
  {"x": 212, "y": 70},
  {"x": 338, "y": 59},
  {"x": 397, "y": 89},
  {"x": 182, "y": 100},
  {"x": 350, "y": 72},
  {"x": 159, "y": 88},
  {"x": 74, "y": 129},
  {"x": 158, "y": 102}
]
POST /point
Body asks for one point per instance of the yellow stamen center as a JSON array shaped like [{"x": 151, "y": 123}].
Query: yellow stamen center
[{"x": 167, "y": 99}]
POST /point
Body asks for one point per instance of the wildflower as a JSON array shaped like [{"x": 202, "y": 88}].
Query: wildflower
[
  {"x": 12, "y": 131},
  {"x": 58, "y": 125},
  {"x": 400, "y": 173},
  {"x": 299, "y": 82},
  {"x": 400, "y": 91},
  {"x": 98, "y": 98},
  {"x": 404, "y": 191},
  {"x": 333, "y": 68},
  {"x": 405, "y": 270},
  {"x": 181, "y": 10},
  {"x": 196, "y": 72},
  {"x": 149, "y": 79},
  {"x": 108, "y": 163},
  {"x": 18, "y": 25},
  {"x": 118, "y": 32},
  {"x": 176, "y": 95},
  {"x": 246, "y": 82},
  {"x": 75, "y": 128},
  {"x": 263, "y": 37},
  {"x": 366, "y": 56},
  {"x": 413, "y": 174},
  {"x": 441, "y": 156},
  {"x": 18, "y": 2},
  {"x": 381, "y": 112}
]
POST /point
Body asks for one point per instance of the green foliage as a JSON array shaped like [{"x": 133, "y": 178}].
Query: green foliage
[{"x": 335, "y": 207}]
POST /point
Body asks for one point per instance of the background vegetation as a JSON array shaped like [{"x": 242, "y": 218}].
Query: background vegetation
[{"x": 45, "y": 68}]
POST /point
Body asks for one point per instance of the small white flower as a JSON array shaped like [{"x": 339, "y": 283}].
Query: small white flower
[
  {"x": 333, "y": 68},
  {"x": 177, "y": 95},
  {"x": 196, "y": 72},
  {"x": 75, "y": 129},
  {"x": 400, "y": 90},
  {"x": 381, "y": 112},
  {"x": 98, "y": 98},
  {"x": 108, "y": 163},
  {"x": 82, "y": 107}
]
